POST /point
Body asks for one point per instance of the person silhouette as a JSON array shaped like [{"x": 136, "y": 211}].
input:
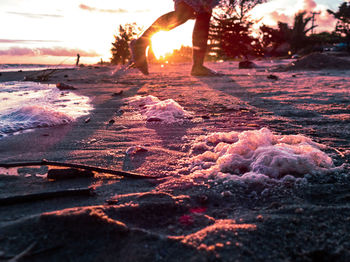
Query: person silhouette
[
  {"x": 184, "y": 10},
  {"x": 78, "y": 58}
]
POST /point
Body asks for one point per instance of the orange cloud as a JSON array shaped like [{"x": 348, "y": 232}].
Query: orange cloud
[
  {"x": 56, "y": 51},
  {"x": 94, "y": 9}
]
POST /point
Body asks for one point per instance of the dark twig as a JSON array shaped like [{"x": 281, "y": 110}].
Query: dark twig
[
  {"x": 23, "y": 253},
  {"x": 86, "y": 167},
  {"x": 18, "y": 199}
]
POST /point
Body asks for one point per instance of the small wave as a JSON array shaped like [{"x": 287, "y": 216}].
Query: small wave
[
  {"x": 28, "y": 105},
  {"x": 29, "y": 117}
]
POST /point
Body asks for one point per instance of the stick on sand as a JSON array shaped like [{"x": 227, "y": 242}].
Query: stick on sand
[{"x": 86, "y": 167}]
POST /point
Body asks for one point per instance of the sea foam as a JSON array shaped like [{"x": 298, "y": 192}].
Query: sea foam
[
  {"x": 257, "y": 154},
  {"x": 166, "y": 111}
]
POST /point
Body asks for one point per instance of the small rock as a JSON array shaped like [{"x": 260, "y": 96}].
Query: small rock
[
  {"x": 135, "y": 149},
  {"x": 87, "y": 120},
  {"x": 171, "y": 227},
  {"x": 205, "y": 117},
  {"x": 63, "y": 86},
  {"x": 154, "y": 119},
  {"x": 111, "y": 122},
  {"x": 260, "y": 217},
  {"x": 226, "y": 194},
  {"x": 119, "y": 112},
  {"x": 272, "y": 77},
  {"x": 65, "y": 76},
  {"x": 246, "y": 65},
  {"x": 118, "y": 93},
  {"x": 299, "y": 210},
  {"x": 203, "y": 199}
]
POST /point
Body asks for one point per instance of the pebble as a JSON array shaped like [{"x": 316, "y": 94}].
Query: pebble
[
  {"x": 63, "y": 86},
  {"x": 118, "y": 93},
  {"x": 260, "y": 217},
  {"x": 299, "y": 210},
  {"x": 226, "y": 194},
  {"x": 135, "y": 149},
  {"x": 272, "y": 77}
]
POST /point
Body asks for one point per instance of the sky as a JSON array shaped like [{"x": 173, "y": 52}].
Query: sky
[{"x": 53, "y": 32}]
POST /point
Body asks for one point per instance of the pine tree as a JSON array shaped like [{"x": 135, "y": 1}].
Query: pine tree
[
  {"x": 343, "y": 23},
  {"x": 120, "y": 50}
]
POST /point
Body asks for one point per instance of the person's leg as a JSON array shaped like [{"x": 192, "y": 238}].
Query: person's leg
[
  {"x": 199, "y": 40},
  {"x": 171, "y": 20},
  {"x": 182, "y": 13}
]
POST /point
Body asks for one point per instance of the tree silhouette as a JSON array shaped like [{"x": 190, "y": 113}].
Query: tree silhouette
[
  {"x": 230, "y": 38},
  {"x": 298, "y": 38},
  {"x": 343, "y": 23},
  {"x": 239, "y": 8},
  {"x": 295, "y": 36},
  {"x": 120, "y": 50},
  {"x": 230, "y": 31},
  {"x": 273, "y": 39}
]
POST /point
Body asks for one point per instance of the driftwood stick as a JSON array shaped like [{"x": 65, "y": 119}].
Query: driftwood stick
[
  {"x": 86, "y": 167},
  {"x": 23, "y": 253},
  {"x": 18, "y": 199}
]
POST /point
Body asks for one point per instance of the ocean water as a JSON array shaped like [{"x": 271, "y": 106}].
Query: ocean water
[
  {"x": 28, "y": 105},
  {"x": 30, "y": 67}
]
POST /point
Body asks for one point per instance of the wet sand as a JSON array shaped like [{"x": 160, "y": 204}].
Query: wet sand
[{"x": 157, "y": 219}]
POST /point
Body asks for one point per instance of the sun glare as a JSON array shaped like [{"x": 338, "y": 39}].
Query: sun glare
[{"x": 165, "y": 42}]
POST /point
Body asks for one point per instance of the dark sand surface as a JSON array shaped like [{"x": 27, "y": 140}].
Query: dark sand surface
[{"x": 169, "y": 220}]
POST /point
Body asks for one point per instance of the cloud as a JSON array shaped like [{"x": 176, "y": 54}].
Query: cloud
[
  {"x": 17, "y": 51},
  {"x": 21, "y": 41},
  {"x": 60, "y": 51},
  {"x": 55, "y": 51},
  {"x": 36, "y": 16},
  {"x": 120, "y": 10},
  {"x": 94, "y": 9},
  {"x": 274, "y": 12},
  {"x": 309, "y": 5},
  {"x": 280, "y": 17}
]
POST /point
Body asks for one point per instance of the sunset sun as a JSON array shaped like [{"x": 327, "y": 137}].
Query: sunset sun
[{"x": 165, "y": 42}]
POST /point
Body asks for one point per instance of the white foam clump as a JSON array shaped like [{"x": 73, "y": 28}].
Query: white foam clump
[
  {"x": 257, "y": 154},
  {"x": 34, "y": 116},
  {"x": 153, "y": 109}
]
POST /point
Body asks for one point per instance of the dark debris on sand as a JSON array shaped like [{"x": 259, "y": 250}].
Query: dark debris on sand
[{"x": 317, "y": 61}]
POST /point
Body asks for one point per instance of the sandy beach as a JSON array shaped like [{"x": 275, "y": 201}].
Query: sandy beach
[{"x": 184, "y": 211}]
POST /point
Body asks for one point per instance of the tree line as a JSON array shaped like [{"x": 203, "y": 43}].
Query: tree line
[{"x": 231, "y": 29}]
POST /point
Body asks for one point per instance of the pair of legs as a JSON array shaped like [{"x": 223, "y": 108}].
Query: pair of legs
[{"x": 166, "y": 22}]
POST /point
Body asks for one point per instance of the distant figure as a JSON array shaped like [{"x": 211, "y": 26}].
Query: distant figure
[
  {"x": 78, "y": 58},
  {"x": 200, "y": 10}
]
